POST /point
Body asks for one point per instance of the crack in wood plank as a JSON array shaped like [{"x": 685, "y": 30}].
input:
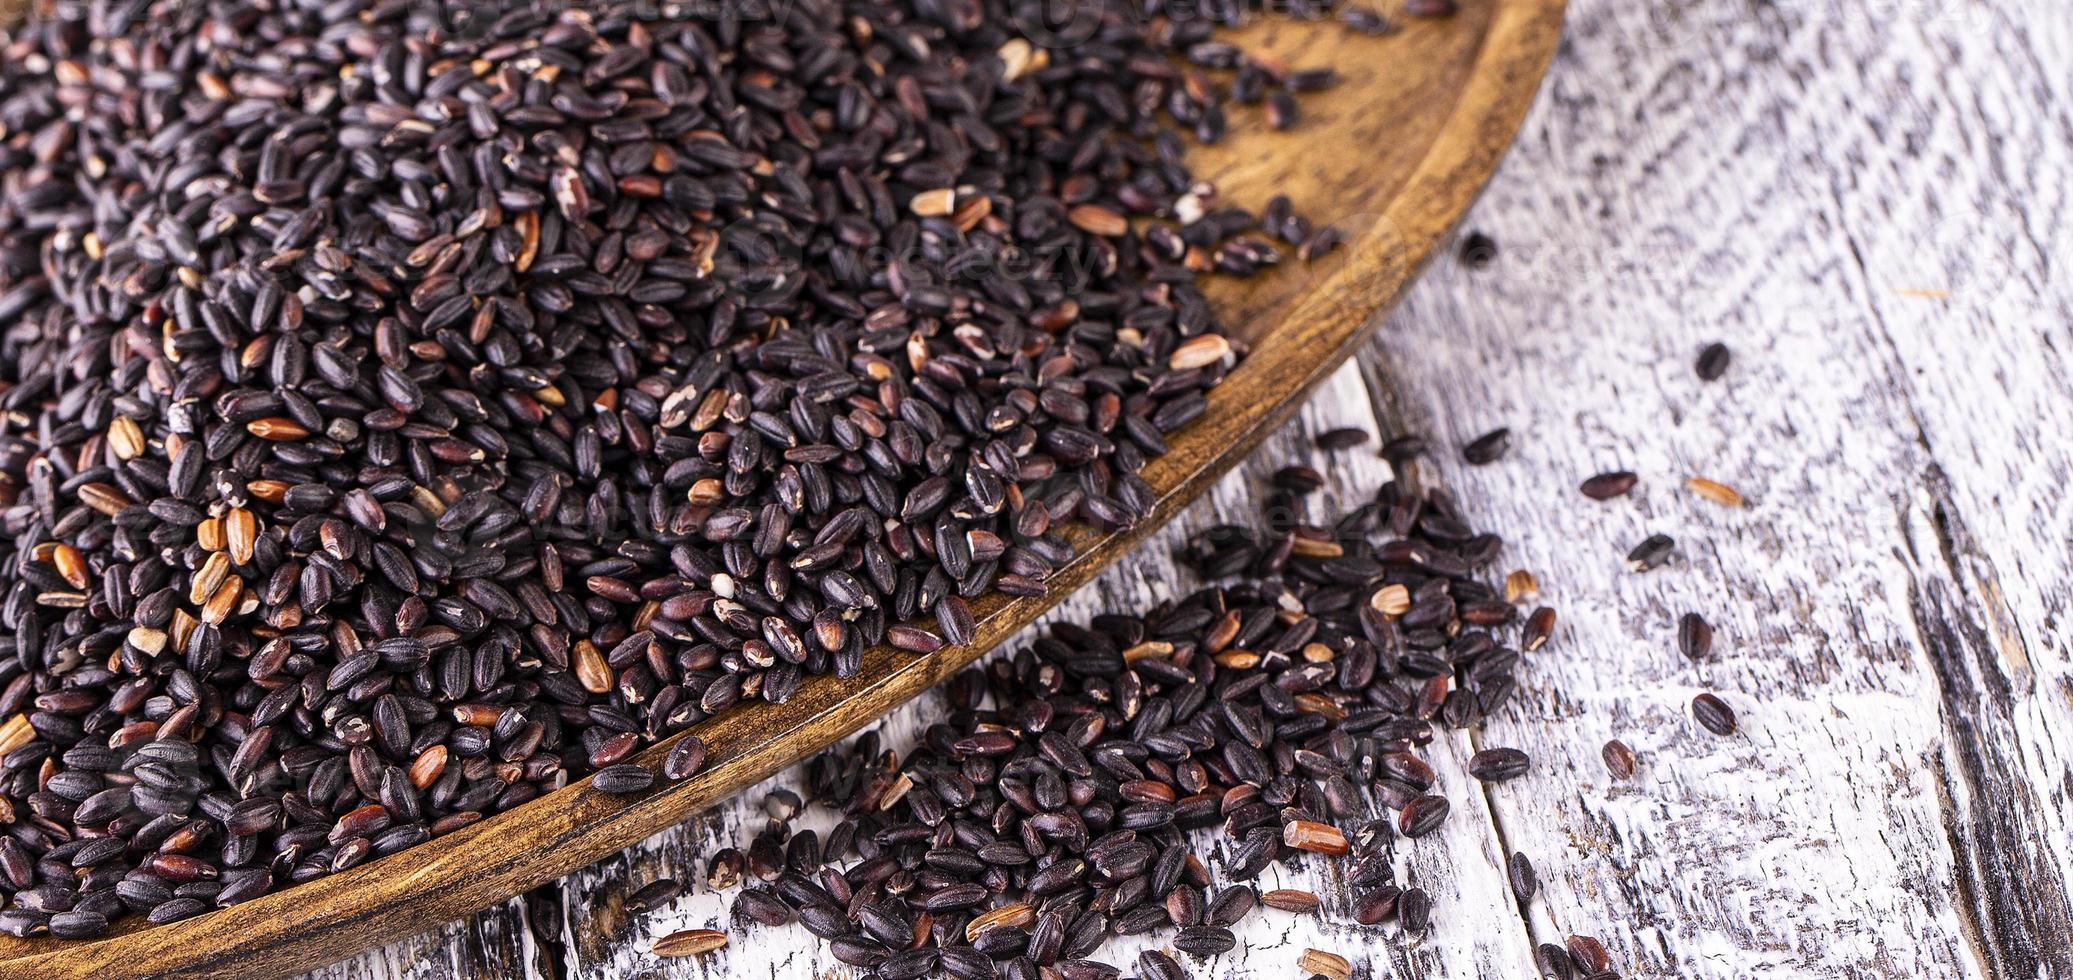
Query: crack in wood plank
[
  {"x": 2018, "y": 905},
  {"x": 1386, "y": 404}
]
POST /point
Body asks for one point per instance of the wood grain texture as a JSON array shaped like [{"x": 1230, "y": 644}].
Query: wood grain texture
[
  {"x": 1464, "y": 84},
  {"x": 1870, "y": 204},
  {"x": 1896, "y": 804}
]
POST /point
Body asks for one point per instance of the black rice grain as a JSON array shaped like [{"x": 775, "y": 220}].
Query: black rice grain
[
  {"x": 399, "y": 422},
  {"x": 1487, "y": 448},
  {"x": 1714, "y": 714},
  {"x": 1712, "y": 362},
  {"x": 1064, "y": 797}
]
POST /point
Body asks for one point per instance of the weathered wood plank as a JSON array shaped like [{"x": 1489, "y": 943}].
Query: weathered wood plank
[
  {"x": 496, "y": 944},
  {"x": 1979, "y": 166},
  {"x": 1896, "y": 802}
]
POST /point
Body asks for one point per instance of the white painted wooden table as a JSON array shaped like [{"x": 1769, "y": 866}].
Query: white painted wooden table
[{"x": 1868, "y": 201}]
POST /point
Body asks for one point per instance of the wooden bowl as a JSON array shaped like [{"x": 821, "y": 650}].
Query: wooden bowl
[{"x": 1393, "y": 155}]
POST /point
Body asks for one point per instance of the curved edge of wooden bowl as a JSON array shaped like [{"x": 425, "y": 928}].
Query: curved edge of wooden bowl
[{"x": 331, "y": 918}]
